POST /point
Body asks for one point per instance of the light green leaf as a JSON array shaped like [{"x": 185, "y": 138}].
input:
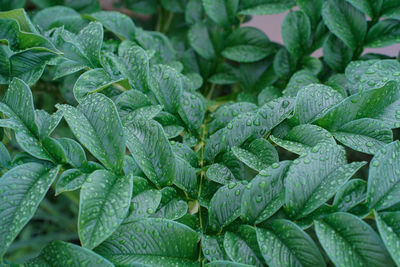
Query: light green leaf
[
  {"x": 57, "y": 16},
  {"x": 116, "y": 22},
  {"x": 383, "y": 178},
  {"x": 283, "y": 243},
  {"x": 389, "y": 228},
  {"x": 302, "y": 138},
  {"x": 379, "y": 73},
  {"x": 350, "y": 194},
  {"x": 152, "y": 241},
  {"x": 22, "y": 189},
  {"x": 349, "y": 241},
  {"x": 93, "y": 81},
  {"x": 265, "y": 194},
  {"x": 258, "y": 155},
  {"x": 315, "y": 177},
  {"x": 296, "y": 32},
  {"x": 151, "y": 150},
  {"x": 172, "y": 210},
  {"x": 220, "y": 174},
  {"x": 265, "y": 7},
  {"x": 104, "y": 203},
  {"x": 200, "y": 41},
  {"x": 60, "y": 253},
  {"x": 242, "y": 246},
  {"x": 247, "y": 44},
  {"x": 222, "y": 212},
  {"x": 96, "y": 124},
  {"x": 222, "y": 12},
  {"x": 21, "y": 17},
  {"x": 345, "y": 21},
  {"x": 364, "y": 135}
]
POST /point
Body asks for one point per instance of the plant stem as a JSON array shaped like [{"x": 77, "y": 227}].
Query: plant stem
[
  {"x": 210, "y": 93},
  {"x": 159, "y": 19},
  {"x": 168, "y": 22}
]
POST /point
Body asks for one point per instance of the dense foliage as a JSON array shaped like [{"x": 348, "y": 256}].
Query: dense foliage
[{"x": 181, "y": 138}]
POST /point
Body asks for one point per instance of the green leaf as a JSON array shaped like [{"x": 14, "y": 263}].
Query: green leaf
[
  {"x": 383, "y": 178},
  {"x": 247, "y": 44},
  {"x": 283, "y": 243},
  {"x": 185, "y": 176},
  {"x": 345, "y": 21},
  {"x": 22, "y": 189},
  {"x": 222, "y": 12},
  {"x": 152, "y": 241},
  {"x": 379, "y": 73},
  {"x": 172, "y": 210},
  {"x": 166, "y": 85},
  {"x": 57, "y": 16},
  {"x": 315, "y": 177},
  {"x": 312, "y": 8},
  {"x": 242, "y": 246},
  {"x": 284, "y": 64},
  {"x": 389, "y": 228},
  {"x": 21, "y": 17},
  {"x": 194, "y": 11},
  {"x": 104, "y": 203},
  {"x": 350, "y": 195},
  {"x": 75, "y": 155},
  {"x": 118, "y": 23},
  {"x": 367, "y": 104},
  {"x": 185, "y": 152},
  {"x": 96, "y": 124},
  {"x": 364, "y": 135},
  {"x": 5, "y": 159},
  {"x": 220, "y": 174},
  {"x": 302, "y": 138},
  {"x": 258, "y": 155},
  {"x": 265, "y": 7},
  {"x": 151, "y": 150},
  {"x": 298, "y": 81},
  {"x": 265, "y": 194},
  {"x": 90, "y": 41},
  {"x": 226, "y": 264},
  {"x": 222, "y": 212},
  {"x": 349, "y": 241},
  {"x": 384, "y": 33},
  {"x": 336, "y": 53},
  {"x": 70, "y": 180},
  {"x": 296, "y": 32},
  {"x": 192, "y": 109},
  {"x": 312, "y": 101},
  {"x": 390, "y": 9},
  {"x": 60, "y": 253},
  {"x": 200, "y": 41},
  {"x": 92, "y": 81},
  {"x": 143, "y": 204},
  {"x": 370, "y": 7},
  {"x": 213, "y": 248}
]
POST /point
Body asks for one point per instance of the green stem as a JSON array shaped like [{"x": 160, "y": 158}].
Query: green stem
[
  {"x": 159, "y": 19},
  {"x": 210, "y": 93},
  {"x": 167, "y": 23}
]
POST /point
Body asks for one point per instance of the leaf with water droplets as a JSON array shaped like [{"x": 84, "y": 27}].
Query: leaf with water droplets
[
  {"x": 296, "y": 32},
  {"x": 298, "y": 81},
  {"x": 384, "y": 177},
  {"x": 283, "y": 243},
  {"x": 265, "y": 7},
  {"x": 379, "y": 73},
  {"x": 60, "y": 253},
  {"x": 192, "y": 110},
  {"x": 220, "y": 173},
  {"x": 315, "y": 177},
  {"x": 96, "y": 124},
  {"x": 118, "y": 23},
  {"x": 345, "y": 21},
  {"x": 104, "y": 203},
  {"x": 384, "y": 33},
  {"x": 222, "y": 12},
  {"x": 143, "y": 204},
  {"x": 22, "y": 189},
  {"x": 151, "y": 150},
  {"x": 152, "y": 241},
  {"x": 92, "y": 81},
  {"x": 185, "y": 176},
  {"x": 258, "y": 155},
  {"x": 350, "y": 195},
  {"x": 349, "y": 241},
  {"x": 389, "y": 228},
  {"x": 225, "y": 205},
  {"x": 302, "y": 138},
  {"x": 242, "y": 246},
  {"x": 265, "y": 194},
  {"x": 364, "y": 135},
  {"x": 213, "y": 248},
  {"x": 247, "y": 44},
  {"x": 5, "y": 159}
]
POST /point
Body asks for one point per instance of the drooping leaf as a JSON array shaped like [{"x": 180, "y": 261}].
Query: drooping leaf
[
  {"x": 22, "y": 189},
  {"x": 315, "y": 177},
  {"x": 104, "y": 203},
  {"x": 349, "y": 241}
]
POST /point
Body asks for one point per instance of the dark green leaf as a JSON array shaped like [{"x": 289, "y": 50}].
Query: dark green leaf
[
  {"x": 350, "y": 194},
  {"x": 296, "y": 32},
  {"x": 370, "y": 7},
  {"x": 222, "y": 12},
  {"x": 118, "y": 23},
  {"x": 384, "y": 33},
  {"x": 336, "y": 53},
  {"x": 200, "y": 41},
  {"x": 265, "y": 7}
]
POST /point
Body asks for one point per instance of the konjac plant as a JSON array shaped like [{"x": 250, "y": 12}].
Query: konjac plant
[{"x": 169, "y": 133}]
